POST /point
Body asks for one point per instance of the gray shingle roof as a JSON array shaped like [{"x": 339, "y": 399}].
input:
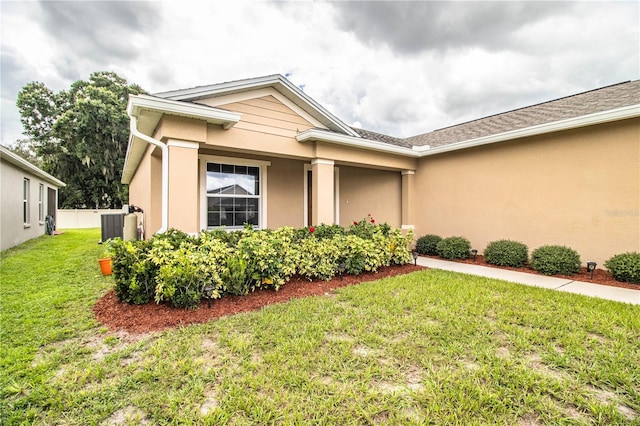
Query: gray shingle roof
[
  {"x": 379, "y": 137},
  {"x": 603, "y": 99}
]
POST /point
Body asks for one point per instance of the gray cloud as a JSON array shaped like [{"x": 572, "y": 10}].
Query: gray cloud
[
  {"x": 100, "y": 31},
  {"x": 411, "y": 27}
]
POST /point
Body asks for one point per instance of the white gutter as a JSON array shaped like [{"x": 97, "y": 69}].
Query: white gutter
[
  {"x": 569, "y": 123},
  {"x": 165, "y": 170},
  {"x": 321, "y": 135}
]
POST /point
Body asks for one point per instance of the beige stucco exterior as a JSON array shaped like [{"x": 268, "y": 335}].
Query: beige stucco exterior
[{"x": 579, "y": 188}]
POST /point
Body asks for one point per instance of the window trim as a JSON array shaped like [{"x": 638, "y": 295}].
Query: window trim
[
  {"x": 204, "y": 159},
  {"x": 26, "y": 204},
  {"x": 41, "y": 204}
]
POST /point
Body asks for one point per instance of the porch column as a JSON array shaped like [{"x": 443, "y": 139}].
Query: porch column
[
  {"x": 323, "y": 209},
  {"x": 408, "y": 193},
  {"x": 184, "y": 202}
]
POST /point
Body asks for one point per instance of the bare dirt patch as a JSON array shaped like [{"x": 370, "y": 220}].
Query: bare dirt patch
[{"x": 153, "y": 317}]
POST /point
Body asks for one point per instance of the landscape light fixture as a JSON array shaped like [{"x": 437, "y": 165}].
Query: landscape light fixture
[
  {"x": 414, "y": 253},
  {"x": 341, "y": 268},
  {"x": 208, "y": 292},
  {"x": 591, "y": 266},
  {"x": 474, "y": 252}
]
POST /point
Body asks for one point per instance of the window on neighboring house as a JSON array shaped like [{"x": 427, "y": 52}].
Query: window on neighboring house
[
  {"x": 233, "y": 195},
  {"x": 25, "y": 201},
  {"x": 41, "y": 203}
]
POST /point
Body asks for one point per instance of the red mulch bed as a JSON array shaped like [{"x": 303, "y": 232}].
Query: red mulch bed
[
  {"x": 152, "y": 317},
  {"x": 600, "y": 276}
]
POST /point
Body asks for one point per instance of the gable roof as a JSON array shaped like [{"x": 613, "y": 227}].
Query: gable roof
[
  {"x": 16, "y": 160},
  {"x": 582, "y": 104},
  {"x": 277, "y": 82}
]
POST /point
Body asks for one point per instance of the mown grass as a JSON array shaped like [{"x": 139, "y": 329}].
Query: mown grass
[{"x": 429, "y": 347}]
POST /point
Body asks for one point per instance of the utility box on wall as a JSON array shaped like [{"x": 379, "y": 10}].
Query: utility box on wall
[{"x": 112, "y": 225}]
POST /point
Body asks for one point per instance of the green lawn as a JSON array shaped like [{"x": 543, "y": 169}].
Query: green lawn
[{"x": 429, "y": 347}]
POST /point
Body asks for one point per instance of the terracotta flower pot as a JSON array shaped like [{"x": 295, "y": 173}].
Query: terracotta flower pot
[{"x": 105, "y": 266}]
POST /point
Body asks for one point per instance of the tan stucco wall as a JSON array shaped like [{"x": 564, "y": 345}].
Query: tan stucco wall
[
  {"x": 368, "y": 191},
  {"x": 285, "y": 193},
  {"x": 12, "y": 228},
  {"x": 579, "y": 188},
  {"x": 140, "y": 193},
  {"x": 188, "y": 129}
]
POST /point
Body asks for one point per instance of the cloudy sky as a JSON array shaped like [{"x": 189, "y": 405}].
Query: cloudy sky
[{"x": 400, "y": 68}]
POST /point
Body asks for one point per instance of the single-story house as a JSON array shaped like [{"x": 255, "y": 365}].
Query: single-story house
[
  {"x": 261, "y": 151},
  {"x": 27, "y": 196}
]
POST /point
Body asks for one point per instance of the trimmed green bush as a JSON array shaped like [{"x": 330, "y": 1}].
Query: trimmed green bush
[
  {"x": 133, "y": 271},
  {"x": 506, "y": 253},
  {"x": 550, "y": 260},
  {"x": 454, "y": 248},
  {"x": 625, "y": 267},
  {"x": 176, "y": 268},
  {"x": 428, "y": 244}
]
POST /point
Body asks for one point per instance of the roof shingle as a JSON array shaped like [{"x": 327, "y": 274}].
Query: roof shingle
[{"x": 598, "y": 100}]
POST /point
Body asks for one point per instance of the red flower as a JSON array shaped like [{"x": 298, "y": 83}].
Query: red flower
[
  {"x": 312, "y": 229},
  {"x": 355, "y": 223},
  {"x": 373, "y": 220}
]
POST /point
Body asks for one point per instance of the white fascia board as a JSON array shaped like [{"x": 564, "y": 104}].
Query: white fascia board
[
  {"x": 212, "y": 115},
  {"x": 324, "y": 136},
  {"x": 276, "y": 81},
  {"x": 23, "y": 164},
  {"x": 556, "y": 126}
]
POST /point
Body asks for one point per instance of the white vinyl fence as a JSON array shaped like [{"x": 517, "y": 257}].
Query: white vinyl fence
[{"x": 81, "y": 218}]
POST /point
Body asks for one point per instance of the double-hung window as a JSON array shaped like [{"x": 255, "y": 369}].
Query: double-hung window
[
  {"x": 25, "y": 202},
  {"x": 233, "y": 195},
  {"x": 41, "y": 203}
]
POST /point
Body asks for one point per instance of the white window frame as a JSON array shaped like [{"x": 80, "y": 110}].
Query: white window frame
[
  {"x": 336, "y": 194},
  {"x": 41, "y": 204},
  {"x": 26, "y": 207},
  {"x": 262, "y": 213}
]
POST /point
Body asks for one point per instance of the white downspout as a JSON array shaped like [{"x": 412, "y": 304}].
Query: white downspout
[{"x": 165, "y": 171}]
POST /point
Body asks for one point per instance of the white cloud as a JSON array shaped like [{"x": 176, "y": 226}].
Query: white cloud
[{"x": 395, "y": 68}]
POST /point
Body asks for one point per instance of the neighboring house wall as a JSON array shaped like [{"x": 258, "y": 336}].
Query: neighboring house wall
[
  {"x": 579, "y": 188},
  {"x": 13, "y": 228}
]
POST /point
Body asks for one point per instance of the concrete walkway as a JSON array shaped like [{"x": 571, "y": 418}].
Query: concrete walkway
[{"x": 562, "y": 284}]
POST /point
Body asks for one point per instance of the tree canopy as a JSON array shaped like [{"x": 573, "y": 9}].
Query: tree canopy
[{"x": 80, "y": 136}]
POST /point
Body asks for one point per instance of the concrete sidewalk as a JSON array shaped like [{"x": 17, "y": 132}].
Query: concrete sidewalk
[{"x": 562, "y": 284}]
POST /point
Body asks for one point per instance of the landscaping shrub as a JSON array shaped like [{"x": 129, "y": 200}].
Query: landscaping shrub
[
  {"x": 550, "y": 260},
  {"x": 185, "y": 272},
  {"x": 271, "y": 256},
  {"x": 428, "y": 244},
  {"x": 398, "y": 247},
  {"x": 454, "y": 248},
  {"x": 235, "y": 277},
  {"x": 506, "y": 253},
  {"x": 176, "y": 268},
  {"x": 133, "y": 271},
  {"x": 366, "y": 227},
  {"x": 319, "y": 258},
  {"x": 625, "y": 267}
]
